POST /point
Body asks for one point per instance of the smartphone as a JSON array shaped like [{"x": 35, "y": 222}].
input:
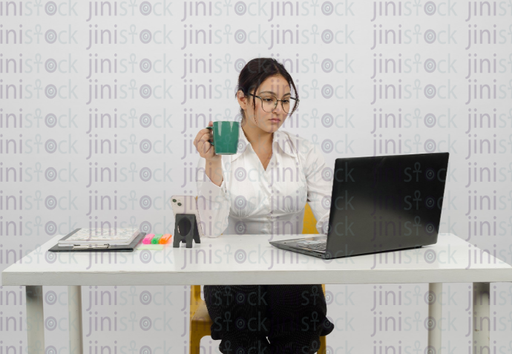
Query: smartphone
[{"x": 186, "y": 204}]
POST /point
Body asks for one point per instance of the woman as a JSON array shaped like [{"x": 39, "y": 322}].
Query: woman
[{"x": 263, "y": 189}]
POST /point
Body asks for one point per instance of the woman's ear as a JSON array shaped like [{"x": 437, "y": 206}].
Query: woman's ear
[{"x": 242, "y": 99}]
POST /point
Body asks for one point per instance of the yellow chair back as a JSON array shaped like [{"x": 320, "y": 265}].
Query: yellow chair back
[{"x": 309, "y": 223}]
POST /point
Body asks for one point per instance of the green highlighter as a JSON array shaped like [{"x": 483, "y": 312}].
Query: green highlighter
[{"x": 156, "y": 238}]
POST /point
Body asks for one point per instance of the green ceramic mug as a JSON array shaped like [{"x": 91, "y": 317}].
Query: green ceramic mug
[{"x": 225, "y": 137}]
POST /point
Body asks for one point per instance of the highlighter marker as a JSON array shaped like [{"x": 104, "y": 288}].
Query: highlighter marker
[
  {"x": 147, "y": 239},
  {"x": 165, "y": 238},
  {"x": 155, "y": 239}
]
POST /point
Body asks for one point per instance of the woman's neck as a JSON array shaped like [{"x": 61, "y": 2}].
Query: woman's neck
[{"x": 261, "y": 141}]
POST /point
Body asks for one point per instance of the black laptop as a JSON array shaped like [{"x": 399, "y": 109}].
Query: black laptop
[{"x": 378, "y": 204}]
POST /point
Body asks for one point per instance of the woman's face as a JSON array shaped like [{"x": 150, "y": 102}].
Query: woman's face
[{"x": 255, "y": 116}]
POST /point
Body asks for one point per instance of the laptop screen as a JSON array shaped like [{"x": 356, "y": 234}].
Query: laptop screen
[{"x": 389, "y": 202}]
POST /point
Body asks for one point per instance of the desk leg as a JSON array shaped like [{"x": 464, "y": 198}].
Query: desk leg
[
  {"x": 433, "y": 322},
  {"x": 35, "y": 319},
  {"x": 481, "y": 318},
  {"x": 75, "y": 319}
]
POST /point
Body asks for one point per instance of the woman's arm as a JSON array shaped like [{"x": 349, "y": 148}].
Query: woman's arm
[
  {"x": 319, "y": 180},
  {"x": 212, "y": 201},
  {"x": 213, "y": 169}
]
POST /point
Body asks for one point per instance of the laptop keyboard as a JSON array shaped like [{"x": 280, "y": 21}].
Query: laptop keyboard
[{"x": 317, "y": 246}]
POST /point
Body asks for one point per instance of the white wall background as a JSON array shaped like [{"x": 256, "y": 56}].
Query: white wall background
[{"x": 443, "y": 69}]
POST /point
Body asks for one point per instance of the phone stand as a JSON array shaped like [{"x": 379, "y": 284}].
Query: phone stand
[{"x": 185, "y": 230}]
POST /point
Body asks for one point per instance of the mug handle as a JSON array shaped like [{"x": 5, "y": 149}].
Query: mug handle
[{"x": 211, "y": 142}]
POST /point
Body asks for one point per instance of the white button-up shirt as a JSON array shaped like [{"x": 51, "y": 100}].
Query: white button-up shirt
[{"x": 252, "y": 200}]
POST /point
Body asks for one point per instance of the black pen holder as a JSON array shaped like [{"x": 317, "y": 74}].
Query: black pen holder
[{"x": 185, "y": 230}]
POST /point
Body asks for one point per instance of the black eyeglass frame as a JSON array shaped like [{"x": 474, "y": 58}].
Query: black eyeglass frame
[{"x": 277, "y": 100}]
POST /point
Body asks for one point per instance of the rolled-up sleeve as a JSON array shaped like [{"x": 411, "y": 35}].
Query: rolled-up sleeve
[
  {"x": 212, "y": 203},
  {"x": 319, "y": 180}
]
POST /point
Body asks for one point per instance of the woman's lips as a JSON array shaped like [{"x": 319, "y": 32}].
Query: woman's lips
[{"x": 275, "y": 120}]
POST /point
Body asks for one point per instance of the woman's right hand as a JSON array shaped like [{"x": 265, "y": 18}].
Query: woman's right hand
[
  {"x": 213, "y": 166},
  {"x": 202, "y": 143}
]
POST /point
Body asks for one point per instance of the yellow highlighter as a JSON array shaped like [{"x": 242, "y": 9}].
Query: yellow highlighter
[{"x": 165, "y": 238}]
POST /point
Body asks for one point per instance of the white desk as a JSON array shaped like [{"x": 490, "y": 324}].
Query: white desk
[{"x": 233, "y": 259}]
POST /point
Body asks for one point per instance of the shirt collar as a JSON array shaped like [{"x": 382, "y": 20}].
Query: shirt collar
[{"x": 280, "y": 138}]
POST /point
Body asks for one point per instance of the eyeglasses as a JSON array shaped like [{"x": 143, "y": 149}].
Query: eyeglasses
[{"x": 269, "y": 103}]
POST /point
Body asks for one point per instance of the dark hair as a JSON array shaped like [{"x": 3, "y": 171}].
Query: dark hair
[{"x": 258, "y": 70}]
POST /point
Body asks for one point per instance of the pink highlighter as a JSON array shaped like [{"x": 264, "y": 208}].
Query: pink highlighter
[{"x": 147, "y": 239}]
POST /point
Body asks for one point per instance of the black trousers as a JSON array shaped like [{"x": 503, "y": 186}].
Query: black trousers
[{"x": 293, "y": 317}]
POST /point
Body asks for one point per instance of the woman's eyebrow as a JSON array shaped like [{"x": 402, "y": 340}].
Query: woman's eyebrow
[{"x": 272, "y": 92}]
